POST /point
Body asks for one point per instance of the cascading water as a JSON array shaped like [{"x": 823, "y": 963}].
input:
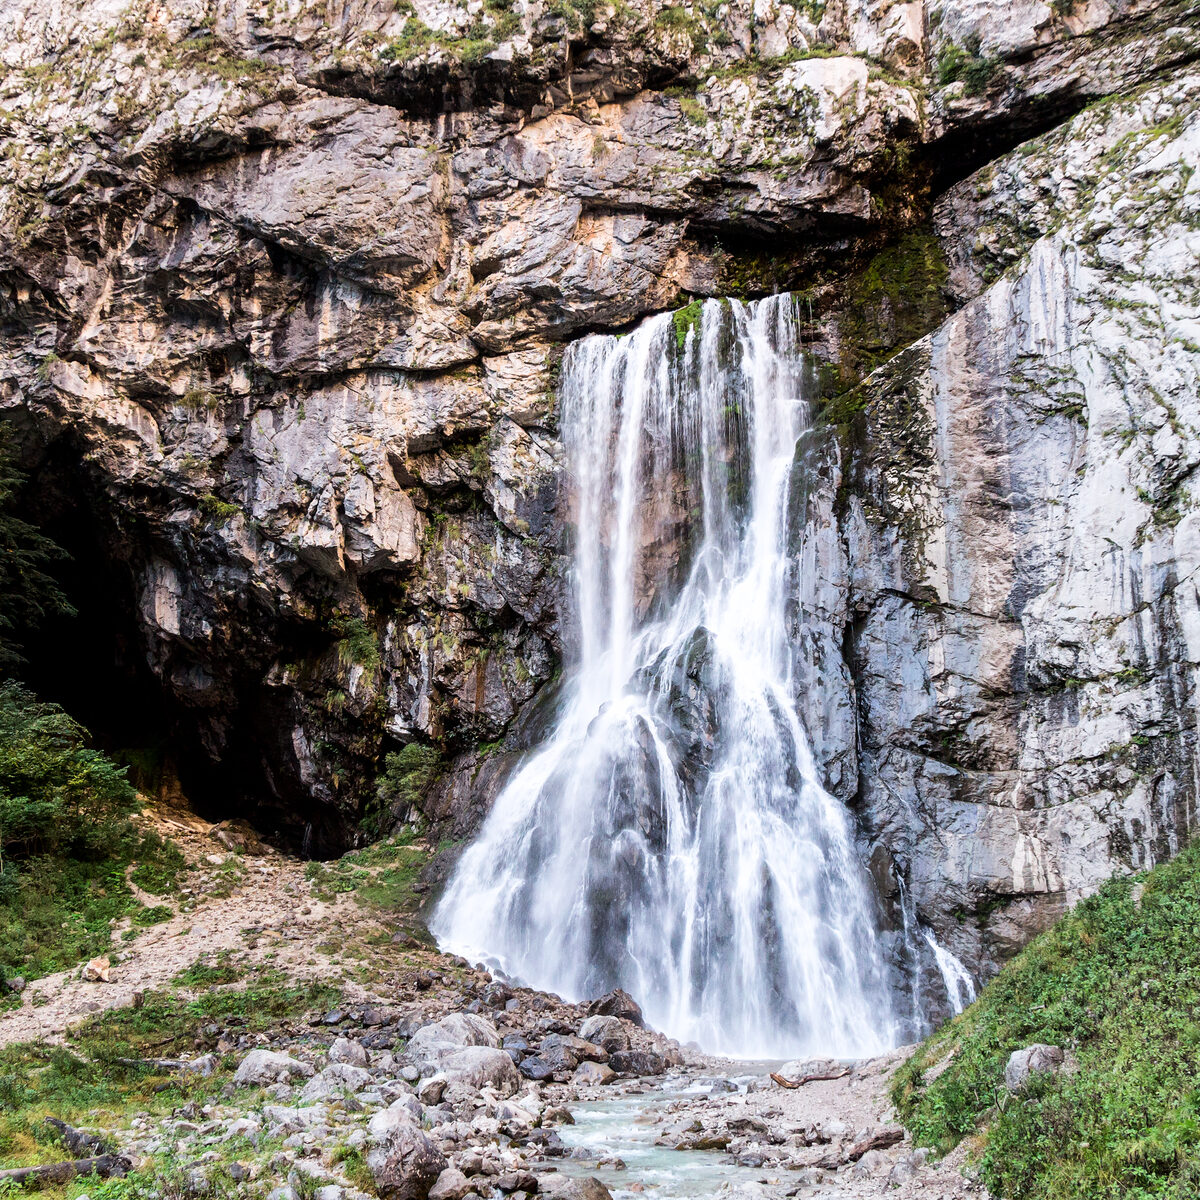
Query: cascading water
[{"x": 672, "y": 836}]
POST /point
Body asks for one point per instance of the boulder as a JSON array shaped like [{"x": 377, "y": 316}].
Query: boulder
[
  {"x": 97, "y": 970},
  {"x": 476, "y": 1067},
  {"x": 261, "y": 1068},
  {"x": 337, "y": 1079},
  {"x": 635, "y": 1062},
  {"x": 344, "y": 1050},
  {"x": 562, "y": 1052},
  {"x": 398, "y": 1114},
  {"x": 617, "y": 1003},
  {"x": 606, "y": 1032},
  {"x": 534, "y": 1067},
  {"x": 451, "y": 1184},
  {"x": 407, "y": 1166},
  {"x": 1032, "y": 1060},
  {"x": 594, "y": 1073},
  {"x": 286, "y": 1118},
  {"x": 432, "y": 1043},
  {"x": 561, "y": 1187}
]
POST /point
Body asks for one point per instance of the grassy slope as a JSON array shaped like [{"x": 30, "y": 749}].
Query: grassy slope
[{"x": 1118, "y": 983}]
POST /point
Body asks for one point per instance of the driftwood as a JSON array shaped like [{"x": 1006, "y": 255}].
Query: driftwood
[
  {"x": 104, "y": 1165},
  {"x": 795, "y": 1083},
  {"x": 877, "y": 1141}
]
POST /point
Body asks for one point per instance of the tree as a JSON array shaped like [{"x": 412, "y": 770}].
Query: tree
[{"x": 28, "y": 593}]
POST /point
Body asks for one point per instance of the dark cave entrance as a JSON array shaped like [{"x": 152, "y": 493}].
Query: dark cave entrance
[{"x": 94, "y": 664}]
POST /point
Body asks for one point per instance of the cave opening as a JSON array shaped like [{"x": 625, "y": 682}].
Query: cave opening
[{"x": 94, "y": 664}]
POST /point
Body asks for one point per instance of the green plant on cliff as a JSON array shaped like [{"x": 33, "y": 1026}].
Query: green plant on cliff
[
  {"x": 1117, "y": 983},
  {"x": 407, "y": 774},
  {"x": 685, "y": 320},
  {"x": 968, "y": 64}
]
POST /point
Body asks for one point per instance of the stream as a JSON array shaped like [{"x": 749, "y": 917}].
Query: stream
[{"x": 624, "y": 1127}]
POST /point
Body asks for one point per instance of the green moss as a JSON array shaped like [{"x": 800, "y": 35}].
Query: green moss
[{"x": 1117, "y": 983}]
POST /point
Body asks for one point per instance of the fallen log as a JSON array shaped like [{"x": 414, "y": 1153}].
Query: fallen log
[
  {"x": 105, "y": 1166},
  {"x": 877, "y": 1141},
  {"x": 795, "y": 1083}
]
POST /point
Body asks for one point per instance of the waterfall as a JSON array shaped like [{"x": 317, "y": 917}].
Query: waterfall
[{"x": 672, "y": 835}]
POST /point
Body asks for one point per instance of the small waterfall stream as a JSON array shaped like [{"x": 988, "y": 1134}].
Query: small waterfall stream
[{"x": 672, "y": 835}]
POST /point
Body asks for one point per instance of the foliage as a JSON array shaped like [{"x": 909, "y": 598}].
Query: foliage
[
  {"x": 28, "y": 594},
  {"x": 968, "y": 64},
  {"x": 407, "y": 775},
  {"x": 685, "y": 320},
  {"x": 65, "y": 841},
  {"x": 1117, "y": 983},
  {"x": 357, "y": 643}
]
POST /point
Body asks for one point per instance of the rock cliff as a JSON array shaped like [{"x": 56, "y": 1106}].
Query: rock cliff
[{"x": 283, "y": 289}]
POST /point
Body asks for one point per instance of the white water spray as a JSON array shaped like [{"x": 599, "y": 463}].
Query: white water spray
[{"x": 672, "y": 836}]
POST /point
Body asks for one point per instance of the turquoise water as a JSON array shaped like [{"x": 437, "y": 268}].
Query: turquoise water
[{"x": 622, "y": 1127}]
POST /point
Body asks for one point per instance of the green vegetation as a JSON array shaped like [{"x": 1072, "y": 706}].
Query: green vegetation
[
  {"x": 1117, "y": 984},
  {"x": 381, "y": 876},
  {"x": 968, "y": 64},
  {"x": 407, "y": 775},
  {"x": 357, "y": 644},
  {"x": 28, "y": 594},
  {"x": 686, "y": 319},
  {"x": 102, "y": 1080},
  {"x": 66, "y": 842},
  {"x": 217, "y": 510}
]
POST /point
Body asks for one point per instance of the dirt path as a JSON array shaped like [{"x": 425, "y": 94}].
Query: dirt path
[{"x": 257, "y": 905}]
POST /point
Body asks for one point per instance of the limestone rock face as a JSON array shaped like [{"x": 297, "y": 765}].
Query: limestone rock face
[
  {"x": 283, "y": 297},
  {"x": 1011, "y": 577}
]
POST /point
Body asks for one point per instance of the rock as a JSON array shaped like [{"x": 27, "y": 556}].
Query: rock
[
  {"x": 562, "y": 1187},
  {"x": 593, "y": 1074},
  {"x": 344, "y": 1050},
  {"x": 16, "y": 984},
  {"x": 263, "y": 1067},
  {"x": 533, "y": 1067},
  {"x": 433, "y": 1043},
  {"x": 451, "y": 1184},
  {"x": 432, "y": 1089},
  {"x": 617, "y": 1003},
  {"x": 406, "y": 1164},
  {"x": 1037, "y": 1059},
  {"x": 335, "y": 1080},
  {"x": 286, "y": 1117},
  {"x": 97, "y": 970},
  {"x": 476, "y": 1067},
  {"x": 635, "y": 1062},
  {"x": 607, "y": 1032},
  {"x": 563, "y": 1052},
  {"x": 399, "y": 1114}
]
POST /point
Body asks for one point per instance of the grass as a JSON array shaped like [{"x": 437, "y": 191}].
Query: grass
[
  {"x": 58, "y": 910},
  {"x": 1117, "y": 983},
  {"x": 91, "y": 1083}
]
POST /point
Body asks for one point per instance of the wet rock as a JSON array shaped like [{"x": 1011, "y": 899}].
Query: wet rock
[
  {"x": 260, "y": 1068},
  {"x": 636, "y": 1062},
  {"x": 617, "y": 1003},
  {"x": 1032, "y": 1060},
  {"x": 534, "y": 1067},
  {"x": 607, "y": 1032},
  {"x": 561, "y": 1187},
  {"x": 564, "y": 1052}
]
